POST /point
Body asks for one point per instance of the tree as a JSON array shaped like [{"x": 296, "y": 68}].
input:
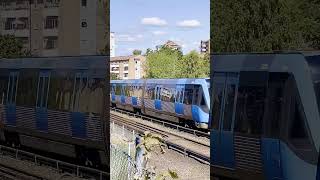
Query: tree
[
  {"x": 114, "y": 76},
  {"x": 11, "y": 47},
  {"x": 194, "y": 65},
  {"x": 163, "y": 63},
  {"x": 251, "y": 26},
  {"x": 148, "y": 51},
  {"x": 136, "y": 52}
]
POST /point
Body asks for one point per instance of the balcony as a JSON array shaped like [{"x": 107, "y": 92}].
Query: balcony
[
  {"x": 14, "y": 6},
  {"x": 52, "y": 4}
]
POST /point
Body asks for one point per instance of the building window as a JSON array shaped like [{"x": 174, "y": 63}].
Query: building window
[
  {"x": 50, "y": 42},
  {"x": 126, "y": 68},
  {"x": 84, "y": 3},
  {"x": 9, "y": 24},
  {"x": 51, "y": 22},
  {"x": 22, "y": 23},
  {"x": 125, "y": 74},
  {"x": 114, "y": 69}
]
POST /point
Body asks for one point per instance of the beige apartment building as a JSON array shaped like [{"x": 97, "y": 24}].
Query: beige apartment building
[
  {"x": 128, "y": 67},
  {"x": 205, "y": 46},
  {"x": 56, "y": 27}
]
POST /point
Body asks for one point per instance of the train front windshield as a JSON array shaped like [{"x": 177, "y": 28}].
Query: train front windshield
[{"x": 314, "y": 64}]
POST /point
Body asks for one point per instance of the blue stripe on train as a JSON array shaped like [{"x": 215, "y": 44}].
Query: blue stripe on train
[
  {"x": 11, "y": 115},
  {"x": 134, "y": 101},
  {"x": 157, "y": 104},
  {"x": 42, "y": 119},
  {"x": 78, "y": 125},
  {"x": 271, "y": 156},
  {"x": 123, "y": 99},
  {"x": 198, "y": 115},
  {"x": 178, "y": 108}
]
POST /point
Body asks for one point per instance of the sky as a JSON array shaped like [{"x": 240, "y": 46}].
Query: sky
[{"x": 142, "y": 24}]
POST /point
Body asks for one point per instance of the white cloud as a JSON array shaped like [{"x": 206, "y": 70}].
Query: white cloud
[
  {"x": 139, "y": 36},
  {"x": 126, "y": 38},
  {"x": 189, "y": 23},
  {"x": 159, "y": 32},
  {"x": 153, "y": 21}
]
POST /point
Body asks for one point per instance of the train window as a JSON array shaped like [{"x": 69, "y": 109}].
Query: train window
[
  {"x": 188, "y": 94},
  {"x": 3, "y": 88},
  {"x": 12, "y": 90},
  {"x": 43, "y": 89},
  {"x": 250, "y": 102},
  {"x": 230, "y": 92},
  {"x": 27, "y": 88},
  {"x": 167, "y": 93},
  {"x": 217, "y": 97},
  {"x": 298, "y": 134},
  {"x": 96, "y": 92},
  {"x": 118, "y": 89},
  {"x": 150, "y": 91},
  {"x": 80, "y": 93},
  {"x": 61, "y": 90}
]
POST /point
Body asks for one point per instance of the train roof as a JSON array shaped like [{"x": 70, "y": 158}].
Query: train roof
[
  {"x": 273, "y": 62},
  {"x": 69, "y": 62},
  {"x": 164, "y": 81}
]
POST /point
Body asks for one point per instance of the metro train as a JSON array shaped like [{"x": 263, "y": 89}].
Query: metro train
[
  {"x": 56, "y": 105},
  {"x": 178, "y": 100},
  {"x": 265, "y": 121}
]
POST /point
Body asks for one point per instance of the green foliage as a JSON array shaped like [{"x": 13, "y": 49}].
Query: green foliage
[
  {"x": 169, "y": 174},
  {"x": 168, "y": 63},
  {"x": 255, "y": 26},
  {"x": 114, "y": 76},
  {"x": 148, "y": 51},
  {"x": 194, "y": 65},
  {"x": 150, "y": 142},
  {"x": 153, "y": 143},
  {"x": 11, "y": 47},
  {"x": 136, "y": 52},
  {"x": 163, "y": 63}
]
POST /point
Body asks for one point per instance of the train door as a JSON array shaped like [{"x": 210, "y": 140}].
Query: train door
[
  {"x": 179, "y": 96},
  {"x": 78, "y": 122},
  {"x": 42, "y": 101},
  {"x": 11, "y": 98},
  {"x": 157, "y": 99},
  {"x": 224, "y": 103}
]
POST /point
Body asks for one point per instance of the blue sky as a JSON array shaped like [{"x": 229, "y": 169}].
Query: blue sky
[{"x": 142, "y": 24}]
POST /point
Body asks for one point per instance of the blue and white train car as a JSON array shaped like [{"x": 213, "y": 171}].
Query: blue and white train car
[
  {"x": 56, "y": 105},
  {"x": 177, "y": 100},
  {"x": 265, "y": 118}
]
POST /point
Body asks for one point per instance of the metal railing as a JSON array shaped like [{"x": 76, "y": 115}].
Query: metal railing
[{"x": 57, "y": 165}]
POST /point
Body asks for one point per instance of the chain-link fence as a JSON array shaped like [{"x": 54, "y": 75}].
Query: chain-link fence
[
  {"x": 122, "y": 153},
  {"x": 122, "y": 165}
]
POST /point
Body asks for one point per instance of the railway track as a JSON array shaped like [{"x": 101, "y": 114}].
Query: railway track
[
  {"x": 195, "y": 132},
  {"x": 18, "y": 164},
  {"x": 9, "y": 173},
  {"x": 182, "y": 142}
]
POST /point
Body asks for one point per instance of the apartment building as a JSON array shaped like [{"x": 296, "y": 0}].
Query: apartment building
[
  {"x": 170, "y": 44},
  {"x": 56, "y": 27},
  {"x": 128, "y": 67},
  {"x": 205, "y": 46}
]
